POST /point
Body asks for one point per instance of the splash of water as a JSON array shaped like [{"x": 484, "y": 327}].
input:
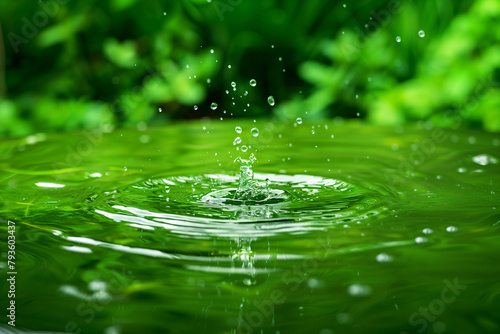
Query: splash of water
[
  {"x": 250, "y": 192},
  {"x": 249, "y": 188}
]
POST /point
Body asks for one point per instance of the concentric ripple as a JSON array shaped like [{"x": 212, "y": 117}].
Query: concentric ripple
[{"x": 207, "y": 205}]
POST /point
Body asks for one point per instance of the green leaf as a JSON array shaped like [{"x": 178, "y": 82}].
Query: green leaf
[{"x": 122, "y": 54}]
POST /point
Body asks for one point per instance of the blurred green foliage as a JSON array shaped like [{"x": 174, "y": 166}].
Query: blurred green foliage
[{"x": 69, "y": 65}]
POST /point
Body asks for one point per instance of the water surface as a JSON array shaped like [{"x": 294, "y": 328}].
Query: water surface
[{"x": 382, "y": 230}]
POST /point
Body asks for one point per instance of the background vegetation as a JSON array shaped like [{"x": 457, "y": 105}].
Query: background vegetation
[{"x": 67, "y": 64}]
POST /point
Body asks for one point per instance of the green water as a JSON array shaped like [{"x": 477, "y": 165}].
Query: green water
[{"x": 367, "y": 230}]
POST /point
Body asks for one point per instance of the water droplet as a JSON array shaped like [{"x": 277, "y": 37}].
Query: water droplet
[
  {"x": 280, "y": 59},
  {"x": 272, "y": 46},
  {"x": 244, "y": 148},
  {"x": 313, "y": 283},
  {"x": 484, "y": 159},
  {"x": 270, "y": 100},
  {"x": 313, "y": 132},
  {"x": 143, "y": 139},
  {"x": 238, "y": 129},
  {"x": 344, "y": 5},
  {"x": 398, "y": 39},
  {"x": 299, "y": 120},
  {"x": 420, "y": 240},
  {"x": 164, "y": 13},
  {"x": 227, "y": 92},
  {"x": 195, "y": 107},
  {"x": 253, "y": 82},
  {"x": 255, "y": 132},
  {"x": 211, "y": 50},
  {"x": 228, "y": 66},
  {"x": 427, "y": 231},
  {"x": 383, "y": 258},
  {"x": 233, "y": 84},
  {"x": 160, "y": 110},
  {"x": 213, "y": 106},
  {"x": 141, "y": 126},
  {"x": 451, "y": 229},
  {"x": 247, "y": 281},
  {"x": 421, "y": 33},
  {"x": 359, "y": 290},
  {"x": 237, "y": 141}
]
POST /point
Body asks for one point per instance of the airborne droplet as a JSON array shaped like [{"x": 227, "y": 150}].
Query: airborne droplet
[
  {"x": 237, "y": 141},
  {"x": 238, "y": 129},
  {"x": 421, "y": 33},
  {"x": 213, "y": 106},
  {"x": 398, "y": 39},
  {"x": 270, "y": 100},
  {"x": 253, "y": 82},
  {"x": 255, "y": 132},
  {"x": 299, "y": 120}
]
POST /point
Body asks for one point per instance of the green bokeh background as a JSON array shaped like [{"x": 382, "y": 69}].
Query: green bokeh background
[{"x": 68, "y": 65}]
